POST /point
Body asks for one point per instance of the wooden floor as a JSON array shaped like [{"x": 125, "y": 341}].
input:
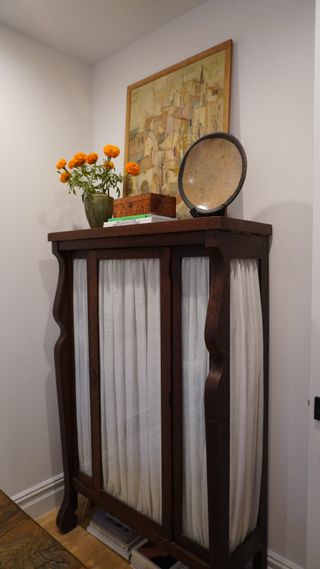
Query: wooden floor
[{"x": 91, "y": 552}]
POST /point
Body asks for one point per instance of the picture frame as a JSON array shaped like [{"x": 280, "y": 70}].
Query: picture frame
[{"x": 168, "y": 111}]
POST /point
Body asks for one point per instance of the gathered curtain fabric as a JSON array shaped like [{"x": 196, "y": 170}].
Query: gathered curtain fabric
[
  {"x": 246, "y": 398},
  {"x": 130, "y": 362},
  {"x": 81, "y": 356},
  {"x": 195, "y": 368},
  {"x": 130, "y": 355}
]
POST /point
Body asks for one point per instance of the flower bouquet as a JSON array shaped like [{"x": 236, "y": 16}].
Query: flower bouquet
[{"x": 83, "y": 173}]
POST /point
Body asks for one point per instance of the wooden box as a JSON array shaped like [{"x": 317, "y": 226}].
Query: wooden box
[{"x": 145, "y": 203}]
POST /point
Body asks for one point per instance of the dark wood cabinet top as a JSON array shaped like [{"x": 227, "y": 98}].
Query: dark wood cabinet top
[{"x": 227, "y": 224}]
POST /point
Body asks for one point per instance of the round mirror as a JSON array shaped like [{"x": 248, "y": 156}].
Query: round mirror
[{"x": 212, "y": 173}]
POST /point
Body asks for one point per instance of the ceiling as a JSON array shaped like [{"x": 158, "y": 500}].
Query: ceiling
[{"x": 90, "y": 29}]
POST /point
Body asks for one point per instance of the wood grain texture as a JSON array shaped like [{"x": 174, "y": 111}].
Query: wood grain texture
[
  {"x": 25, "y": 545},
  {"x": 166, "y": 419},
  {"x": 65, "y": 379},
  {"x": 164, "y": 227},
  {"x": 145, "y": 203},
  {"x": 89, "y": 550},
  {"x": 217, "y": 405},
  {"x": 94, "y": 363}
]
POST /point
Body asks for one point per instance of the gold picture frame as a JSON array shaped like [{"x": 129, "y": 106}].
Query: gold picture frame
[{"x": 169, "y": 111}]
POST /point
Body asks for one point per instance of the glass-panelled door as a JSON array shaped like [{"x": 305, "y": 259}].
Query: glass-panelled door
[
  {"x": 134, "y": 346},
  {"x": 193, "y": 272}
]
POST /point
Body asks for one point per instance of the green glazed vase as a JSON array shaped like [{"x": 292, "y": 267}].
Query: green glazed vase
[{"x": 98, "y": 208}]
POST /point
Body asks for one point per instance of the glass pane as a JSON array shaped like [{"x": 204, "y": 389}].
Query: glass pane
[
  {"x": 246, "y": 398},
  {"x": 81, "y": 354},
  {"x": 130, "y": 355},
  {"x": 195, "y": 369}
]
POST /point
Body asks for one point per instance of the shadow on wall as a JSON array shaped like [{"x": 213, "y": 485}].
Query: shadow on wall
[
  {"x": 235, "y": 209},
  {"x": 49, "y": 274},
  {"x": 290, "y": 316},
  {"x": 69, "y": 213}
]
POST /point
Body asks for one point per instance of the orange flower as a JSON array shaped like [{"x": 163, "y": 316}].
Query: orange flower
[
  {"x": 61, "y": 163},
  {"x": 108, "y": 164},
  {"x": 79, "y": 158},
  {"x": 64, "y": 177},
  {"x": 92, "y": 158},
  {"x": 72, "y": 164},
  {"x": 133, "y": 168},
  {"x": 111, "y": 151}
]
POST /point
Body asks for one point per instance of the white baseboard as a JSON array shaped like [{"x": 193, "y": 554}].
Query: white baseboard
[
  {"x": 42, "y": 498},
  {"x": 275, "y": 561}
]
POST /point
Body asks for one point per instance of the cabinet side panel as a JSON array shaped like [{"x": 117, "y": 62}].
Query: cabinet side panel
[{"x": 246, "y": 398}]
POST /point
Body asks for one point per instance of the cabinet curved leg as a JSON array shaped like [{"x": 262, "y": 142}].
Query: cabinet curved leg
[
  {"x": 66, "y": 518},
  {"x": 260, "y": 560},
  {"x": 65, "y": 378}
]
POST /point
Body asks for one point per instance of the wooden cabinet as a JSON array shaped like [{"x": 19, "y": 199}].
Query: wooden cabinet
[{"x": 162, "y": 378}]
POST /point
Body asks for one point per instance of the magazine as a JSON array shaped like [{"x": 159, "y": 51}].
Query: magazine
[{"x": 114, "y": 534}]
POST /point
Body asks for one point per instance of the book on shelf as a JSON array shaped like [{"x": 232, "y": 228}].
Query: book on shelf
[
  {"x": 126, "y": 545},
  {"x": 106, "y": 541},
  {"x": 114, "y": 534},
  {"x": 139, "y": 218},
  {"x": 114, "y": 527},
  {"x": 150, "y": 556}
]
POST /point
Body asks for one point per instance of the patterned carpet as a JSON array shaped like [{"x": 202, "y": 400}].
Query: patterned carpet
[{"x": 25, "y": 545}]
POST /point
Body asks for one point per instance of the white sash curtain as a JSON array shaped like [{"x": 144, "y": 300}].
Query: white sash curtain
[
  {"x": 246, "y": 393},
  {"x": 246, "y": 399},
  {"x": 81, "y": 354},
  {"x": 129, "y": 327},
  {"x": 195, "y": 368},
  {"x": 130, "y": 352}
]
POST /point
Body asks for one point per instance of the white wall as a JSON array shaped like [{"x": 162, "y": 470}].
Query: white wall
[
  {"x": 313, "y": 545},
  {"x": 45, "y": 113},
  {"x": 272, "y": 114}
]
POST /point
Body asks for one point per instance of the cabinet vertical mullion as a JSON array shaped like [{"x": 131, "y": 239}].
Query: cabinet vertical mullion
[
  {"x": 166, "y": 429},
  {"x": 217, "y": 405},
  {"x": 177, "y": 392},
  {"x": 94, "y": 368}
]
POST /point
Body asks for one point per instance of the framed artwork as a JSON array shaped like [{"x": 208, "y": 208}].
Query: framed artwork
[{"x": 167, "y": 112}]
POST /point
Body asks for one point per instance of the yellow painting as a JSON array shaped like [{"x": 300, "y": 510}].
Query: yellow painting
[{"x": 169, "y": 111}]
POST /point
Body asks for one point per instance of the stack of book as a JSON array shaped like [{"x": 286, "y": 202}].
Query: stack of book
[
  {"x": 139, "y": 218},
  {"x": 114, "y": 534},
  {"x": 150, "y": 556}
]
